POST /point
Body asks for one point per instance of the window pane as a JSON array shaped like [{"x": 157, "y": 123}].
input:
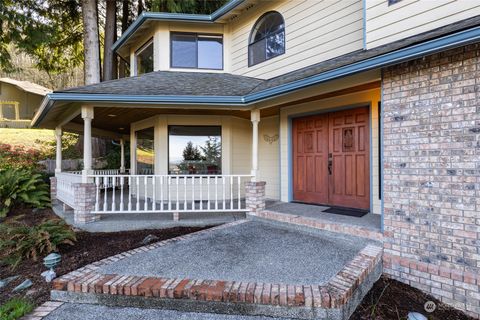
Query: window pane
[
  {"x": 210, "y": 52},
  {"x": 145, "y": 60},
  {"x": 275, "y": 44},
  {"x": 145, "y": 151},
  {"x": 257, "y": 52},
  {"x": 184, "y": 51},
  {"x": 195, "y": 150}
]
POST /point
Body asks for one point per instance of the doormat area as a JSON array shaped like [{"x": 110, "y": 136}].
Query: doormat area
[{"x": 347, "y": 211}]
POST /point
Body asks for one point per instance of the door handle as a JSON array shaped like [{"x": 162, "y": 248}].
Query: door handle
[{"x": 330, "y": 164}]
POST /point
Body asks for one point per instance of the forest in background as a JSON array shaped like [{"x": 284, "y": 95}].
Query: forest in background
[{"x": 66, "y": 43}]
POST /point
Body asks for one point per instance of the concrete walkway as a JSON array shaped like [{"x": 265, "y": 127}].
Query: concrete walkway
[
  {"x": 369, "y": 221},
  {"x": 76, "y": 311},
  {"x": 247, "y": 267},
  {"x": 252, "y": 251},
  {"x": 149, "y": 220}
]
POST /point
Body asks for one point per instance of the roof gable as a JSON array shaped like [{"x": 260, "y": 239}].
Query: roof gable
[{"x": 27, "y": 86}]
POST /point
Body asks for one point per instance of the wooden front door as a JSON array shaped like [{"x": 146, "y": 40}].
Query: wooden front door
[{"x": 331, "y": 154}]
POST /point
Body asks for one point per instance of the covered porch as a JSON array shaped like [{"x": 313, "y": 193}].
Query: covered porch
[
  {"x": 316, "y": 146},
  {"x": 151, "y": 181}
]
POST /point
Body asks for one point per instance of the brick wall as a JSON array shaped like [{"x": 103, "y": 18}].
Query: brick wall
[
  {"x": 432, "y": 175},
  {"x": 84, "y": 203}
]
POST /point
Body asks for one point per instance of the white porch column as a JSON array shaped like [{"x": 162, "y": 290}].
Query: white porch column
[
  {"x": 122, "y": 155},
  {"x": 87, "y": 115},
  {"x": 58, "y": 158},
  {"x": 255, "y": 118}
]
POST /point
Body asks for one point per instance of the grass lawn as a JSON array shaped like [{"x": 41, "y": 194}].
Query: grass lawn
[{"x": 26, "y": 137}]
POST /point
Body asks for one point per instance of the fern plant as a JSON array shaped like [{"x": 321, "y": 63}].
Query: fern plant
[
  {"x": 19, "y": 242},
  {"x": 22, "y": 186}
]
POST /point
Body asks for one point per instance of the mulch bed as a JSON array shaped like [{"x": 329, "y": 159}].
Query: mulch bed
[
  {"x": 392, "y": 300},
  {"x": 90, "y": 247}
]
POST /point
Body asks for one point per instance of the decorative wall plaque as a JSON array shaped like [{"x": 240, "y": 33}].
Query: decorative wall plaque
[{"x": 270, "y": 139}]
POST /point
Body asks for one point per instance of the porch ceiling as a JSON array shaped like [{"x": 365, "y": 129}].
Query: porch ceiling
[{"x": 118, "y": 120}]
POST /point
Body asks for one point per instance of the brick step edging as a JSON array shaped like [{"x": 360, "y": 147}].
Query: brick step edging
[
  {"x": 334, "y": 294},
  {"x": 320, "y": 224}
]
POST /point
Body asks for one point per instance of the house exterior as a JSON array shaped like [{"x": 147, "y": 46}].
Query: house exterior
[
  {"x": 19, "y": 100},
  {"x": 357, "y": 104}
]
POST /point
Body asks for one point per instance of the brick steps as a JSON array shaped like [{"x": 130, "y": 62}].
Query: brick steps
[
  {"x": 336, "y": 299},
  {"x": 319, "y": 224}
]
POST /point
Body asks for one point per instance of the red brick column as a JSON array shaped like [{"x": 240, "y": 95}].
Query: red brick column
[
  {"x": 53, "y": 190},
  {"x": 85, "y": 203},
  {"x": 255, "y": 196}
]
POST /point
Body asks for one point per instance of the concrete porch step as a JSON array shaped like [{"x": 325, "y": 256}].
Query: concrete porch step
[
  {"x": 318, "y": 223},
  {"x": 301, "y": 297}
]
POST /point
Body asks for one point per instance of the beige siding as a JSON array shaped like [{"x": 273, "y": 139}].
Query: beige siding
[
  {"x": 315, "y": 31},
  {"x": 406, "y": 18},
  {"x": 269, "y": 156},
  {"x": 369, "y": 97},
  {"x": 28, "y": 102},
  {"x": 241, "y": 146}
]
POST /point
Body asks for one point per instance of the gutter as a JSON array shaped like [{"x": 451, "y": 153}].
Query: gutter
[
  {"x": 163, "y": 16},
  {"x": 425, "y": 48}
]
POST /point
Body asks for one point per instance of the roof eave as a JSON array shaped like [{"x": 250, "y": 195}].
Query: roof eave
[
  {"x": 161, "y": 16},
  {"x": 50, "y": 100}
]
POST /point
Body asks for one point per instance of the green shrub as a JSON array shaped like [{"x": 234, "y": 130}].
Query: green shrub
[
  {"x": 19, "y": 242},
  {"x": 21, "y": 186},
  {"x": 19, "y": 157},
  {"x": 69, "y": 146},
  {"x": 15, "y": 309}
]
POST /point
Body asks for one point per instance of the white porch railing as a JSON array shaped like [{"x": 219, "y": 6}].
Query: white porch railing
[
  {"x": 102, "y": 172},
  {"x": 169, "y": 193},
  {"x": 65, "y": 191}
]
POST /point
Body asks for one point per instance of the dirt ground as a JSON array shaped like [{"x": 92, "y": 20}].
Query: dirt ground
[{"x": 392, "y": 300}]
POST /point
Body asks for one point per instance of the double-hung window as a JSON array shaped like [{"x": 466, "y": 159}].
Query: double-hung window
[{"x": 196, "y": 51}]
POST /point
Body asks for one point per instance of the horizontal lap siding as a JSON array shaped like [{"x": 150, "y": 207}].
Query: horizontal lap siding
[
  {"x": 269, "y": 156},
  {"x": 315, "y": 31},
  {"x": 241, "y": 146},
  {"x": 386, "y": 23}
]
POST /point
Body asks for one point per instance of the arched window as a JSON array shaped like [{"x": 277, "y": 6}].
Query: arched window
[{"x": 267, "y": 39}]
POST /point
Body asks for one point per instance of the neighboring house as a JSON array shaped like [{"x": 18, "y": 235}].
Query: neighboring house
[
  {"x": 19, "y": 100},
  {"x": 367, "y": 104}
]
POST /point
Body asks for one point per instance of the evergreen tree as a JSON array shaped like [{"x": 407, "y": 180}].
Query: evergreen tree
[
  {"x": 191, "y": 153},
  {"x": 212, "y": 151}
]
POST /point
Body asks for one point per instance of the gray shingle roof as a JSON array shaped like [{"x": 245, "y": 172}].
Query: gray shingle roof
[{"x": 175, "y": 83}]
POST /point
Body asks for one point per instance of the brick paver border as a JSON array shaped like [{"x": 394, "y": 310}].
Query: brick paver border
[
  {"x": 334, "y": 294},
  {"x": 358, "y": 231},
  {"x": 43, "y": 311}
]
